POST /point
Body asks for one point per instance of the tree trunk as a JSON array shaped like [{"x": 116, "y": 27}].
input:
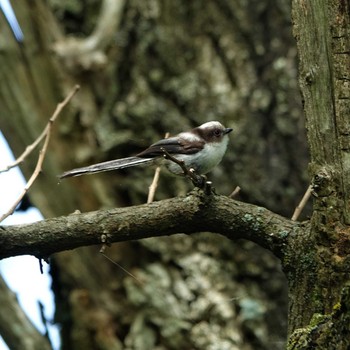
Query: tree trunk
[{"x": 319, "y": 271}]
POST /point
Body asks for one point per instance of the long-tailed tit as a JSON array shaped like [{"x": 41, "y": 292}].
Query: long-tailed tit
[{"x": 201, "y": 149}]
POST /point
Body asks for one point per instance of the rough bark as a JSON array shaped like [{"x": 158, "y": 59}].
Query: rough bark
[
  {"x": 194, "y": 213},
  {"x": 172, "y": 66},
  {"x": 317, "y": 317}
]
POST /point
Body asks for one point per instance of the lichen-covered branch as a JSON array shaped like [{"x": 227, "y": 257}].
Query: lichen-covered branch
[{"x": 194, "y": 213}]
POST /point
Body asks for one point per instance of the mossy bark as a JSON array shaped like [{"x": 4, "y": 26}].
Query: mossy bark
[
  {"x": 320, "y": 273},
  {"x": 171, "y": 66}
]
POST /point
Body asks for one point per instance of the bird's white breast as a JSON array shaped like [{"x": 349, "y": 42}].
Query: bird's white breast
[{"x": 203, "y": 161}]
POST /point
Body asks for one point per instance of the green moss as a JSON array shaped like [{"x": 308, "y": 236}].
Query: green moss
[
  {"x": 302, "y": 337},
  {"x": 337, "y": 307},
  {"x": 317, "y": 319}
]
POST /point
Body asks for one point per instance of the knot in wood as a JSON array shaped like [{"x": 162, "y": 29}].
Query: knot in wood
[{"x": 322, "y": 183}]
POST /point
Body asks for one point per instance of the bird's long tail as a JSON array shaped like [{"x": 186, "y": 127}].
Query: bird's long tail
[{"x": 107, "y": 166}]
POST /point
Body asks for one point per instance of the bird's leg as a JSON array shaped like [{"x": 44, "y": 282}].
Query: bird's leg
[{"x": 198, "y": 180}]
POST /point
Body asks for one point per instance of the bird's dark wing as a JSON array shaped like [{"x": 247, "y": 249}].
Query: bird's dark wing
[{"x": 172, "y": 145}]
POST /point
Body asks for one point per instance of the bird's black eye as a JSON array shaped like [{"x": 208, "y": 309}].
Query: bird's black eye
[{"x": 217, "y": 132}]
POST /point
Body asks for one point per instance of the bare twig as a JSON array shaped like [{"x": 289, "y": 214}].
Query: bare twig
[
  {"x": 105, "y": 244},
  {"x": 27, "y": 151},
  {"x": 302, "y": 204},
  {"x": 31, "y": 147},
  {"x": 235, "y": 192},
  {"x": 154, "y": 184},
  {"x": 45, "y": 134},
  {"x": 122, "y": 268}
]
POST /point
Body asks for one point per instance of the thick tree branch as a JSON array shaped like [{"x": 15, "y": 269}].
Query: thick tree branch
[{"x": 196, "y": 212}]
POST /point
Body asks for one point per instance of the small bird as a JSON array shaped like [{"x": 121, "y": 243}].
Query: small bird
[{"x": 200, "y": 149}]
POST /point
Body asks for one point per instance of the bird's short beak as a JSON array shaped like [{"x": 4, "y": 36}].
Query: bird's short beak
[{"x": 227, "y": 130}]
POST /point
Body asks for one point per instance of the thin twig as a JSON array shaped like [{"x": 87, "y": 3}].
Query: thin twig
[
  {"x": 154, "y": 184},
  {"x": 32, "y": 178},
  {"x": 121, "y": 267},
  {"x": 302, "y": 204},
  {"x": 31, "y": 147},
  {"x": 235, "y": 192},
  {"x": 46, "y": 133},
  {"x": 27, "y": 151}
]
